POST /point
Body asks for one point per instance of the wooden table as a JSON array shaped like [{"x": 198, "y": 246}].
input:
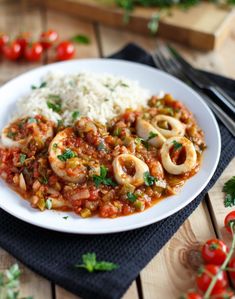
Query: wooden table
[{"x": 172, "y": 270}]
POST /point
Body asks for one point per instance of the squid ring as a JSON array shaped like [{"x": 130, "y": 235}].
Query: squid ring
[
  {"x": 190, "y": 160},
  {"x": 138, "y": 168},
  {"x": 72, "y": 169},
  {"x": 144, "y": 129},
  {"x": 176, "y": 127}
]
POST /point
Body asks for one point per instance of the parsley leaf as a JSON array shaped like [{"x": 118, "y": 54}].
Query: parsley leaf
[
  {"x": 177, "y": 145},
  {"x": 152, "y": 135},
  {"x": 131, "y": 197},
  {"x": 91, "y": 264},
  {"x": 43, "y": 180},
  {"x": 75, "y": 115},
  {"x": 65, "y": 217},
  {"x": 229, "y": 190},
  {"x": 48, "y": 203},
  {"x": 32, "y": 120},
  {"x": 22, "y": 158},
  {"x": 56, "y": 105},
  {"x": 11, "y": 134},
  {"x": 149, "y": 180},
  {"x": 68, "y": 154},
  {"x": 43, "y": 84},
  {"x": 101, "y": 146},
  {"x": 81, "y": 39},
  {"x": 101, "y": 179}
]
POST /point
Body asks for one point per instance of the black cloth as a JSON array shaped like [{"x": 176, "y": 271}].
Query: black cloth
[{"x": 53, "y": 254}]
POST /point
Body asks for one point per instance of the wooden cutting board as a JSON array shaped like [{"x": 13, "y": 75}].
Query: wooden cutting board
[{"x": 204, "y": 26}]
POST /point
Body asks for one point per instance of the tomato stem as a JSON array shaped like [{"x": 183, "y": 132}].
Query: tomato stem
[{"x": 223, "y": 266}]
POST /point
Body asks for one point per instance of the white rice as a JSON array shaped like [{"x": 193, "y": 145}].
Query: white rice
[{"x": 98, "y": 96}]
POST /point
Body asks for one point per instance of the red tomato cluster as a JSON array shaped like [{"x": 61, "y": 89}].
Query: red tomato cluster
[
  {"x": 23, "y": 47},
  {"x": 214, "y": 254}
]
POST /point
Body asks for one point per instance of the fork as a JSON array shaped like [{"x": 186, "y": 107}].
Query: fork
[{"x": 166, "y": 62}]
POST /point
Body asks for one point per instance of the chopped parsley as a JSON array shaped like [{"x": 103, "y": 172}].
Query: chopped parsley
[
  {"x": 32, "y": 120},
  {"x": 42, "y": 85},
  {"x": 55, "y": 145},
  {"x": 139, "y": 140},
  {"x": 91, "y": 264},
  {"x": 101, "y": 146},
  {"x": 102, "y": 179},
  {"x": 123, "y": 84},
  {"x": 152, "y": 135},
  {"x": 75, "y": 115},
  {"x": 117, "y": 132},
  {"x": 68, "y": 154},
  {"x": 22, "y": 158},
  {"x": 229, "y": 190},
  {"x": 43, "y": 180},
  {"x": 48, "y": 204},
  {"x": 149, "y": 180},
  {"x": 65, "y": 217},
  {"x": 11, "y": 134},
  {"x": 177, "y": 145},
  {"x": 56, "y": 105},
  {"x": 131, "y": 197},
  {"x": 81, "y": 39}
]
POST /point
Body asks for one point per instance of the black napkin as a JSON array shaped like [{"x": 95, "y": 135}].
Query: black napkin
[{"x": 53, "y": 254}]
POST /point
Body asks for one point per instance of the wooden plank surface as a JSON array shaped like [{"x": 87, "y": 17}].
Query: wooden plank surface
[{"x": 203, "y": 26}]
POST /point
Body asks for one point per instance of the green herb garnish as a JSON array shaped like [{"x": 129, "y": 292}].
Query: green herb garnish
[
  {"x": 68, "y": 154},
  {"x": 65, "y": 217},
  {"x": 32, "y": 120},
  {"x": 48, "y": 204},
  {"x": 102, "y": 179},
  {"x": 229, "y": 190},
  {"x": 11, "y": 134},
  {"x": 131, "y": 197},
  {"x": 81, "y": 39},
  {"x": 9, "y": 283},
  {"x": 56, "y": 104},
  {"x": 43, "y": 180},
  {"x": 139, "y": 140},
  {"x": 149, "y": 180},
  {"x": 75, "y": 115},
  {"x": 177, "y": 145},
  {"x": 91, "y": 264},
  {"x": 43, "y": 84},
  {"x": 22, "y": 158},
  {"x": 101, "y": 146}
]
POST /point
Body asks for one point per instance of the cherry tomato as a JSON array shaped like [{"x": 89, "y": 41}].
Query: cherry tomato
[
  {"x": 23, "y": 40},
  {"x": 232, "y": 266},
  {"x": 203, "y": 278},
  {"x": 47, "y": 38},
  {"x": 3, "y": 40},
  {"x": 12, "y": 50},
  {"x": 214, "y": 251},
  {"x": 190, "y": 295},
  {"x": 65, "y": 50},
  {"x": 224, "y": 294},
  {"x": 33, "y": 52},
  {"x": 228, "y": 218}
]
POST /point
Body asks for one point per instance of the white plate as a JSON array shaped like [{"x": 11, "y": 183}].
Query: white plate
[{"x": 149, "y": 78}]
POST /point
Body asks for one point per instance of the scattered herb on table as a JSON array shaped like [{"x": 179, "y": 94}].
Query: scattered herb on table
[
  {"x": 229, "y": 190},
  {"x": 68, "y": 154},
  {"x": 81, "y": 39},
  {"x": 9, "y": 283},
  {"x": 102, "y": 179},
  {"x": 91, "y": 264}
]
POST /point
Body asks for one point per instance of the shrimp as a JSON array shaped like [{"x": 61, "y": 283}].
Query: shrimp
[
  {"x": 129, "y": 169},
  {"x": 23, "y": 130},
  {"x": 144, "y": 129},
  {"x": 190, "y": 159},
  {"x": 176, "y": 128},
  {"x": 64, "y": 161}
]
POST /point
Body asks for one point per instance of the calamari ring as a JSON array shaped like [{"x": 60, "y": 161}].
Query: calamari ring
[
  {"x": 177, "y": 127},
  {"x": 122, "y": 177},
  {"x": 190, "y": 160},
  {"x": 144, "y": 128}
]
